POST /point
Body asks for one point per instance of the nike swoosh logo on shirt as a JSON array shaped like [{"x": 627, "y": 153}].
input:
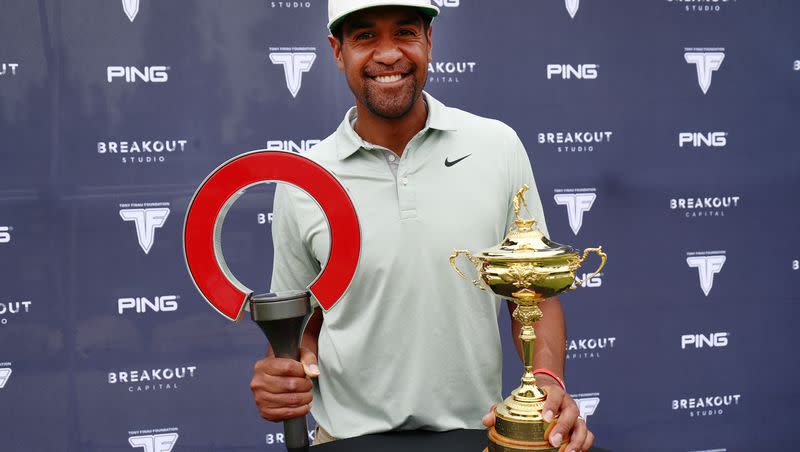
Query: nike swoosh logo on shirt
[{"x": 448, "y": 163}]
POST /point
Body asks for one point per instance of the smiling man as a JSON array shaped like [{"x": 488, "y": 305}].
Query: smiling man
[{"x": 409, "y": 346}]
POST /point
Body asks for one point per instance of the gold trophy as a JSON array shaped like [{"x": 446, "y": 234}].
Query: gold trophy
[{"x": 526, "y": 269}]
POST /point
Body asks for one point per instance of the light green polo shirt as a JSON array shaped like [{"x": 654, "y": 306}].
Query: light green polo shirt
[{"x": 410, "y": 345}]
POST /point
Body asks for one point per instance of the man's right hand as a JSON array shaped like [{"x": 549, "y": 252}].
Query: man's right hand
[{"x": 282, "y": 387}]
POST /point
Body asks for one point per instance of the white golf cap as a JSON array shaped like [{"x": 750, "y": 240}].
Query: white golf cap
[{"x": 338, "y": 9}]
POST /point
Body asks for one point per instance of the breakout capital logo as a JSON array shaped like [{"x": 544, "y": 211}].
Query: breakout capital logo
[
  {"x": 163, "y": 303},
  {"x": 577, "y": 201},
  {"x": 708, "y": 264},
  {"x": 797, "y": 65},
  {"x": 157, "y": 379},
  {"x": 5, "y": 234},
  {"x": 572, "y": 7},
  {"x": 706, "y": 140},
  {"x": 131, "y": 8},
  {"x": 589, "y": 348},
  {"x": 704, "y": 206},
  {"x": 154, "y": 440},
  {"x": 700, "y": 340},
  {"x": 146, "y": 218},
  {"x": 299, "y": 147},
  {"x": 141, "y": 152},
  {"x": 5, "y": 374},
  {"x": 575, "y": 142},
  {"x": 706, "y": 405},
  {"x": 447, "y": 3},
  {"x": 568, "y": 71},
  {"x": 796, "y": 264},
  {"x": 8, "y": 69},
  {"x": 587, "y": 403},
  {"x": 295, "y": 62},
  {"x": 701, "y": 6},
  {"x": 707, "y": 60},
  {"x": 12, "y": 309},
  {"x": 450, "y": 71}
]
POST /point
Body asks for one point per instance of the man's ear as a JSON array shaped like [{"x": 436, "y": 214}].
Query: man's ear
[{"x": 336, "y": 46}]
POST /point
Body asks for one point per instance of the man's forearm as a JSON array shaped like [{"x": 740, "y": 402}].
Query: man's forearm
[{"x": 550, "y": 343}]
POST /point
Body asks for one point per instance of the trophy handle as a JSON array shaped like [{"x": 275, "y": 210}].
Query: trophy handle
[
  {"x": 599, "y": 251},
  {"x": 474, "y": 261}
]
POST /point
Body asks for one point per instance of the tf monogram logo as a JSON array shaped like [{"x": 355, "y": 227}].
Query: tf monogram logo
[
  {"x": 131, "y": 8},
  {"x": 707, "y": 62},
  {"x": 294, "y": 65},
  {"x": 154, "y": 443},
  {"x": 576, "y": 204},
  {"x": 5, "y": 374},
  {"x": 587, "y": 406},
  {"x": 707, "y": 267},
  {"x": 146, "y": 221},
  {"x": 572, "y": 7}
]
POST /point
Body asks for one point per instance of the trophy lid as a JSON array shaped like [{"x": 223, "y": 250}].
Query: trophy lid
[{"x": 525, "y": 241}]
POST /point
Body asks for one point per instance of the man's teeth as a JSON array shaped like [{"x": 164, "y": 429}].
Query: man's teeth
[{"x": 388, "y": 78}]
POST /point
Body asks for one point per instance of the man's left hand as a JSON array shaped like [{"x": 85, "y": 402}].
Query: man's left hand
[{"x": 559, "y": 403}]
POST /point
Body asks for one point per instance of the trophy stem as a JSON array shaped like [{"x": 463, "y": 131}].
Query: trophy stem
[{"x": 527, "y": 313}]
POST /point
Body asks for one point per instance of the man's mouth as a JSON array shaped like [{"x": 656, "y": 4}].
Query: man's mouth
[{"x": 388, "y": 78}]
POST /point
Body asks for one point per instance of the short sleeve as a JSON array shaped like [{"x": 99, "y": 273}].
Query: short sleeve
[
  {"x": 294, "y": 266},
  {"x": 521, "y": 172}
]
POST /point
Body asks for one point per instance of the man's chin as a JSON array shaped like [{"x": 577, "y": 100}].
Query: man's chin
[
  {"x": 390, "y": 107},
  {"x": 389, "y": 112}
]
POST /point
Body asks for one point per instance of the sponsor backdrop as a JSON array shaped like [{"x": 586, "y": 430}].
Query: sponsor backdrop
[{"x": 664, "y": 130}]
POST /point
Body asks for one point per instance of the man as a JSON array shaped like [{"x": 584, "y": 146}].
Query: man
[{"x": 410, "y": 345}]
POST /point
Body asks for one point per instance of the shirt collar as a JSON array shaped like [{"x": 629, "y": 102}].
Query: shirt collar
[{"x": 348, "y": 141}]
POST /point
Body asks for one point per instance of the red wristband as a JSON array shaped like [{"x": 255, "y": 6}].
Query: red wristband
[{"x": 552, "y": 374}]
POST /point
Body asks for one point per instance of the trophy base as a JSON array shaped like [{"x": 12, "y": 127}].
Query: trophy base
[
  {"x": 521, "y": 433},
  {"x": 499, "y": 443}
]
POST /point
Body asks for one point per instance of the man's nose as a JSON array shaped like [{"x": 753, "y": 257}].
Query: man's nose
[{"x": 387, "y": 52}]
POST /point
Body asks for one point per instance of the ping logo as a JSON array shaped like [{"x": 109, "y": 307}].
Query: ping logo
[
  {"x": 148, "y": 74},
  {"x": 707, "y": 266},
  {"x": 294, "y": 63},
  {"x": 131, "y": 8},
  {"x": 291, "y": 145},
  {"x": 146, "y": 221},
  {"x": 165, "y": 303},
  {"x": 154, "y": 443},
  {"x": 707, "y": 62},
  {"x": 702, "y": 340},
  {"x": 576, "y": 204},
  {"x": 568, "y": 71},
  {"x": 572, "y": 7},
  {"x": 698, "y": 139}
]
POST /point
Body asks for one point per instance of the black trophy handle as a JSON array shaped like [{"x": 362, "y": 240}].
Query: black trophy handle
[
  {"x": 283, "y": 317},
  {"x": 295, "y": 431}
]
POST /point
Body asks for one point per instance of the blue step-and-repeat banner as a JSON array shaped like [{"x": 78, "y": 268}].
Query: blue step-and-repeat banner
[{"x": 664, "y": 130}]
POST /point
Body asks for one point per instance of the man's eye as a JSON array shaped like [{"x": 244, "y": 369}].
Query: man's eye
[
  {"x": 406, "y": 33},
  {"x": 362, "y": 36}
]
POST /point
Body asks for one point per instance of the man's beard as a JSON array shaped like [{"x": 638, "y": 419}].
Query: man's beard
[{"x": 391, "y": 107}]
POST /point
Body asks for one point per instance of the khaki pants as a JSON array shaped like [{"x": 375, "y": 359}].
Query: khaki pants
[{"x": 321, "y": 436}]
